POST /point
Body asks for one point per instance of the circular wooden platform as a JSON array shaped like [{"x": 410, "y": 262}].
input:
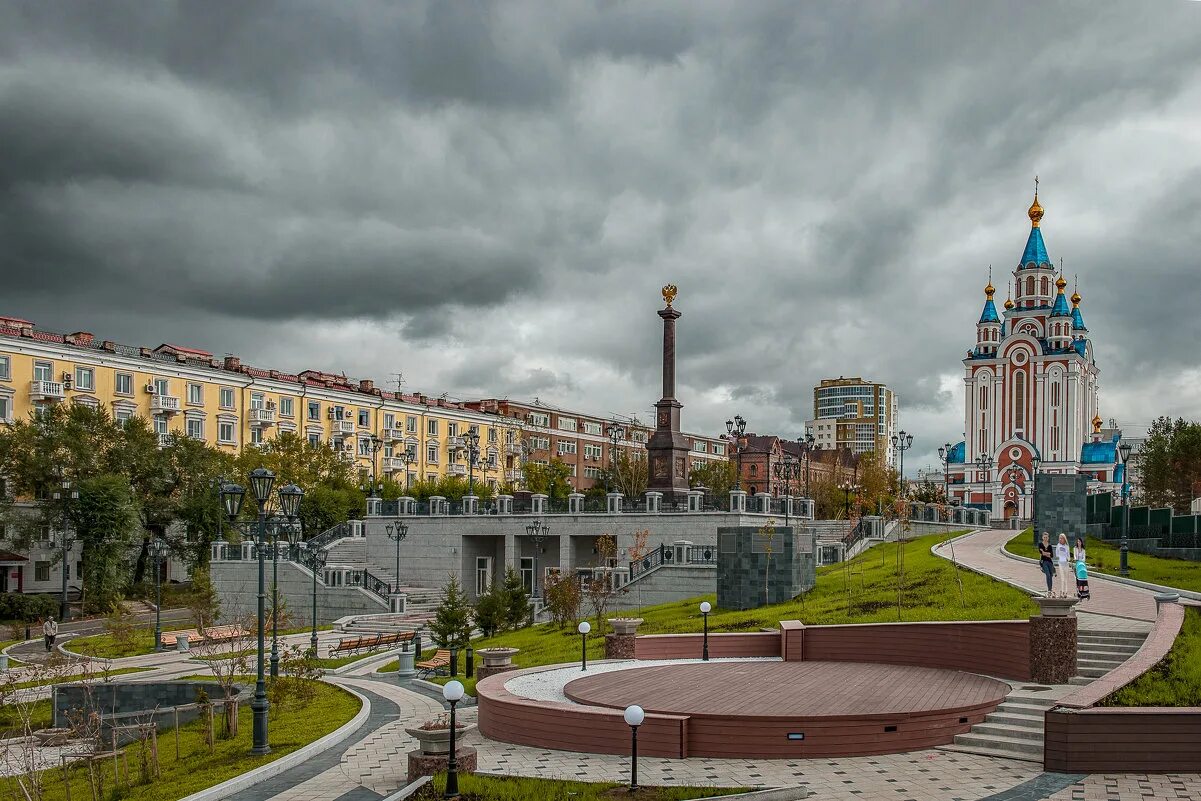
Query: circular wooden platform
[{"x": 789, "y": 690}]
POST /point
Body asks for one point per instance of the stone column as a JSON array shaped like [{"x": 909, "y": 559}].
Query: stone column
[
  {"x": 620, "y": 644},
  {"x": 1053, "y": 641}
]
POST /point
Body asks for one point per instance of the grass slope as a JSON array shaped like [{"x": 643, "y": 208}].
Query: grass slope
[
  {"x": 504, "y": 788},
  {"x": 40, "y": 714},
  {"x": 68, "y": 679},
  {"x": 864, "y": 590},
  {"x": 103, "y": 646},
  {"x": 197, "y": 769},
  {"x": 1176, "y": 679},
  {"x": 1104, "y": 557}
]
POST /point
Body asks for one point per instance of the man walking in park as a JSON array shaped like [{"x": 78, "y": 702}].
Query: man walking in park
[{"x": 50, "y": 631}]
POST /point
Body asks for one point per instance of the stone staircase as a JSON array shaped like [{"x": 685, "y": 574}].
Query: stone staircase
[
  {"x": 828, "y": 531},
  {"x": 348, "y": 552},
  {"x": 1015, "y": 729}
]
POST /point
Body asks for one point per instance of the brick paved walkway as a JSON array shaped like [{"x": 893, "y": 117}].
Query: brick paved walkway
[{"x": 982, "y": 552}]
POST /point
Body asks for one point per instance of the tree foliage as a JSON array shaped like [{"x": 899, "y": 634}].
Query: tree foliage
[
  {"x": 1169, "y": 464},
  {"x": 551, "y": 479},
  {"x": 451, "y": 626},
  {"x": 716, "y": 477}
]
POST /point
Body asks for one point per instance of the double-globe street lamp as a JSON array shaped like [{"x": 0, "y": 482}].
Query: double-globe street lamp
[
  {"x": 736, "y": 434},
  {"x": 944, "y": 456},
  {"x": 617, "y": 433},
  {"x": 848, "y": 488},
  {"x": 397, "y": 531},
  {"x": 808, "y": 446},
  {"x": 900, "y": 443},
  {"x": 537, "y": 532},
  {"x": 67, "y": 495},
  {"x": 315, "y": 559},
  {"x": 788, "y": 471},
  {"x": 158, "y": 552},
  {"x": 984, "y": 465},
  {"x": 262, "y": 481},
  {"x": 471, "y": 449},
  {"x": 1124, "y": 450}
]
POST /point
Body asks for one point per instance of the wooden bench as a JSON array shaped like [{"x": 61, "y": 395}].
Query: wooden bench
[
  {"x": 213, "y": 634},
  {"x": 350, "y": 645},
  {"x": 439, "y": 662}
]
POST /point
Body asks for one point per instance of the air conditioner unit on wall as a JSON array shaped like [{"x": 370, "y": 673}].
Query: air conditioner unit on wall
[{"x": 150, "y": 388}]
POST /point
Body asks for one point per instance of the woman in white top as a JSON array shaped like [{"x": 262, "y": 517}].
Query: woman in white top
[
  {"x": 1078, "y": 550},
  {"x": 1061, "y": 563}
]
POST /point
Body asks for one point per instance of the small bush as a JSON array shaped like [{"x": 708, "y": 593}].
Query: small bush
[{"x": 21, "y": 608}]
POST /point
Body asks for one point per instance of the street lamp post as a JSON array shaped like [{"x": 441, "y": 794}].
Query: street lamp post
[
  {"x": 736, "y": 434},
  {"x": 377, "y": 445},
  {"x": 617, "y": 433},
  {"x": 706, "y": 608},
  {"x": 316, "y": 564},
  {"x": 583, "y": 629},
  {"x": 944, "y": 456},
  {"x": 901, "y": 443},
  {"x": 397, "y": 531},
  {"x": 262, "y": 481},
  {"x": 67, "y": 496},
  {"x": 634, "y": 716},
  {"x": 984, "y": 465},
  {"x": 453, "y": 693},
  {"x": 471, "y": 449},
  {"x": 1124, "y": 450},
  {"x": 847, "y": 489},
  {"x": 408, "y": 458},
  {"x": 1035, "y": 461},
  {"x": 807, "y": 448},
  {"x": 158, "y": 550},
  {"x": 537, "y": 531},
  {"x": 788, "y": 471}
]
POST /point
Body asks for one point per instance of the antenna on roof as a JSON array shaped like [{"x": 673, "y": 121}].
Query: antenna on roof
[{"x": 400, "y": 381}]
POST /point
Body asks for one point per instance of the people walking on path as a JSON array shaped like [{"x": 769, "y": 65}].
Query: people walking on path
[
  {"x": 1081, "y": 570},
  {"x": 1061, "y": 557},
  {"x": 1045, "y": 563},
  {"x": 49, "y": 631}
]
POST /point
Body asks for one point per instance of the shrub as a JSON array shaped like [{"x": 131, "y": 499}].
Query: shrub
[{"x": 21, "y": 608}]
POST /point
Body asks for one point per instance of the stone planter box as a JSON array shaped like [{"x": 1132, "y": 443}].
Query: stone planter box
[
  {"x": 52, "y": 737},
  {"x": 497, "y": 657},
  {"x": 625, "y": 625},
  {"x": 437, "y": 741}
]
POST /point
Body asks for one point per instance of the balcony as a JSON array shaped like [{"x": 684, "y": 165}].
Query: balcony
[
  {"x": 393, "y": 464},
  {"x": 512, "y": 476},
  {"x": 455, "y": 442},
  {"x": 46, "y": 390},
  {"x": 456, "y": 469},
  {"x": 262, "y": 417},
  {"x": 513, "y": 448},
  {"x": 342, "y": 426},
  {"x": 393, "y": 435},
  {"x": 164, "y": 440},
  {"x": 164, "y": 404}
]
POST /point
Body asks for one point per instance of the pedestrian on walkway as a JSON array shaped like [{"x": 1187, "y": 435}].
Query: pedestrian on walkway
[
  {"x": 1061, "y": 556},
  {"x": 49, "y": 631},
  {"x": 1045, "y": 562},
  {"x": 1081, "y": 570}
]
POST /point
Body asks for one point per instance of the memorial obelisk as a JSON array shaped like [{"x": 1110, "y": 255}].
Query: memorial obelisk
[{"x": 667, "y": 450}]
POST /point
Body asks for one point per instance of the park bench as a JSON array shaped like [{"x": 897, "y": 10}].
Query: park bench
[
  {"x": 209, "y": 635},
  {"x": 439, "y": 662},
  {"x": 351, "y": 645}
]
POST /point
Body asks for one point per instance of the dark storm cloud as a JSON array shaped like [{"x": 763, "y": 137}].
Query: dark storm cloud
[{"x": 488, "y": 196}]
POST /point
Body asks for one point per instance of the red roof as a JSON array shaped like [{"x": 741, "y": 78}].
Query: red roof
[
  {"x": 9, "y": 556},
  {"x": 167, "y": 346}
]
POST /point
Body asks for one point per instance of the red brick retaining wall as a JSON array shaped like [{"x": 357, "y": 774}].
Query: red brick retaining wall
[{"x": 1083, "y": 738}]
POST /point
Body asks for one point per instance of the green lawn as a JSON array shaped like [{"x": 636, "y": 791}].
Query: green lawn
[
  {"x": 863, "y": 590},
  {"x": 324, "y": 662},
  {"x": 1104, "y": 556},
  {"x": 103, "y": 646},
  {"x": 97, "y": 676},
  {"x": 40, "y": 712},
  {"x": 1176, "y": 679},
  {"x": 504, "y": 788},
  {"x": 197, "y": 769}
]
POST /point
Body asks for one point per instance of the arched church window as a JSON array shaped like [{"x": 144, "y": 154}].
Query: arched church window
[
  {"x": 1055, "y": 394},
  {"x": 1044, "y": 286},
  {"x": 984, "y": 396},
  {"x": 1030, "y": 285},
  {"x": 1019, "y": 402}
]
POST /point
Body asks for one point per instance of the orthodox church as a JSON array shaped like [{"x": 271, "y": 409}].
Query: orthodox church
[{"x": 1030, "y": 392}]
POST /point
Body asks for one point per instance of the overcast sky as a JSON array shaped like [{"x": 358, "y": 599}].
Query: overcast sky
[{"x": 488, "y": 198}]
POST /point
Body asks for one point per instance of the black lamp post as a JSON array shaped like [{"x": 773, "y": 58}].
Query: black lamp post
[
  {"x": 452, "y": 691},
  {"x": 944, "y": 456},
  {"x": 377, "y": 445},
  {"x": 788, "y": 471},
  {"x": 262, "y": 481},
  {"x": 316, "y": 560},
  {"x": 616, "y": 434},
  {"x": 1124, "y": 450},
  {"x": 158, "y": 551},
  {"x": 281, "y": 527},
  {"x": 67, "y": 496},
  {"x": 537, "y": 532},
  {"x": 984, "y": 465},
  {"x": 736, "y": 434},
  {"x": 706, "y": 608},
  {"x": 1035, "y": 461},
  {"x": 901, "y": 443},
  {"x": 397, "y": 531},
  {"x": 407, "y": 458},
  {"x": 583, "y": 629},
  {"x": 807, "y": 447},
  {"x": 471, "y": 449},
  {"x": 633, "y": 717}
]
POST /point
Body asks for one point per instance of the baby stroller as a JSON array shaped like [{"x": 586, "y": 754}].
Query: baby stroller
[{"x": 1081, "y": 581}]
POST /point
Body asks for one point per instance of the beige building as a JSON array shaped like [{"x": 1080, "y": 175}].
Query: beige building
[{"x": 860, "y": 416}]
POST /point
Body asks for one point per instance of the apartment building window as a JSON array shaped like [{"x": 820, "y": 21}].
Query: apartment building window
[
  {"x": 225, "y": 432},
  {"x": 5, "y": 369},
  {"x": 718, "y": 449},
  {"x": 286, "y": 408},
  {"x": 160, "y": 424},
  {"x": 314, "y": 440},
  {"x": 431, "y": 477},
  {"x": 256, "y": 436},
  {"x": 43, "y": 371},
  {"x": 564, "y": 447},
  {"x": 364, "y": 446},
  {"x": 6, "y": 409},
  {"x": 592, "y": 427},
  {"x": 700, "y": 447},
  {"x": 339, "y": 413},
  {"x": 431, "y": 428},
  {"x": 389, "y": 420},
  {"x": 314, "y": 410},
  {"x": 567, "y": 424},
  {"x": 452, "y": 429},
  {"x": 411, "y": 424},
  {"x": 85, "y": 378},
  {"x": 540, "y": 443},
  {"x": 539, "y": 419},
  {"x": 256, "y": 400},
  {"x": 638, "y": 436},
  {"x": 431, "y": 454},
  {"x": 195, "y": 394},
  {"x": 123, "y": 383},
  {"x": 41, "y": 571},
  {"x": 227, "y": 398},
  {"x": 122, "y": 416},
  {"x": 162, "y": 387},
  {"x": 195, "y": 428},
  {"x": 571, "y": 468},
  {"x": 364, "y": 418},
  {"x": 592, "y": 451},
  {"x": 592, "y": 472},
  {"x": 492, "y": 435}
]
